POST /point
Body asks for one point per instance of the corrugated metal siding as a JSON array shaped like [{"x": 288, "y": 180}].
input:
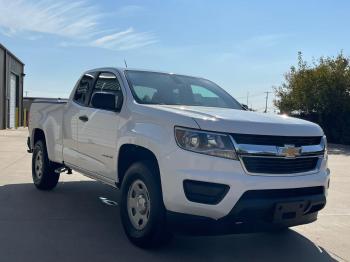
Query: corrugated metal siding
[
  {"x": 2, "y": 89},
  {"x": 16, "y": 68},
  {"x": 13, "y": 65}
]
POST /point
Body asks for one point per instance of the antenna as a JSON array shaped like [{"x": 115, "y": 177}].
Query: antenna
[{"x": 126, "y": 65}]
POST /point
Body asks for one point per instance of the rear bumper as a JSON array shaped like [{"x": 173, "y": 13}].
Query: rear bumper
[{"x": 257, "y": 210}]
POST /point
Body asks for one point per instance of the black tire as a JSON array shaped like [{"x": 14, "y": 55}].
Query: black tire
[
  {"x": 279, "y": 230},
  {"x": 155, "y": 232},
  {"x": 44, "y": 175}
]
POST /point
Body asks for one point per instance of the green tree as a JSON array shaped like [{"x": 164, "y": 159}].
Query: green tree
[{"x": 319, "y": 92}]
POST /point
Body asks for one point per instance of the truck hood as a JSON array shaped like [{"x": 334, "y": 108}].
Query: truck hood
[{"x": 245, "y": 122}]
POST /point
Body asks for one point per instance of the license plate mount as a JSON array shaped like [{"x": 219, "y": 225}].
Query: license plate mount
[{"x": 289, "y": 211}]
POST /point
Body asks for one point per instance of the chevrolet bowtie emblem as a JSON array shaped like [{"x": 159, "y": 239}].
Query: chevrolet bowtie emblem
[{"x": 289, "y": 151}]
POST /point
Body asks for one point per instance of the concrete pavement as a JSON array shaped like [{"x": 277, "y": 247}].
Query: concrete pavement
[{"x": 79, "y": 221}]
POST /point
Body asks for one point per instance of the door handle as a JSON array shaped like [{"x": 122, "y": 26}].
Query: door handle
[{"x": 83, "y": 118}]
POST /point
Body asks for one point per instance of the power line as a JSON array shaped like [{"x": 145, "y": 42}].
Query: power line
[{"x": 250, "y": 96}]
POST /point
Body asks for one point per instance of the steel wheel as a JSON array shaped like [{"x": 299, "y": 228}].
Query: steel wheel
[
  {"x": 138, "y": 204},
  {"x": 43, "y": 170},
  {"x": 142, "y": 209},
  {"x": 39, "y": 164}
]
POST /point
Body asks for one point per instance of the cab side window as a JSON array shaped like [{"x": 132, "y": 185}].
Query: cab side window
[
  {"x": 106, "y": 93},
  {"x": 82, "y": 90},
  {"x": 107, "y": 82}
]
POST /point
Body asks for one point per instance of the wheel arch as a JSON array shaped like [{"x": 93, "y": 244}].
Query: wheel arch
[
  {"x": 38, "y": 134},
  {"x": 131, "y": 153}
]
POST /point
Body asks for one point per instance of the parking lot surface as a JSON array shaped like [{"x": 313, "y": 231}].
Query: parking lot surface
[{"x": 79, "y": 221}]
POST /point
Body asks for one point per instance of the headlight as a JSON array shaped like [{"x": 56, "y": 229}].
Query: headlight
[
  {"x": 203, "y": 142},
  {"x": 325, "y": 145}
]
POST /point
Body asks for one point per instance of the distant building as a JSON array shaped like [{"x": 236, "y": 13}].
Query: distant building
[{"x": 11, "y": 89}]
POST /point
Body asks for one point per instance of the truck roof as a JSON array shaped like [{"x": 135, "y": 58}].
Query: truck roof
[{"x": 122, "y": 69}]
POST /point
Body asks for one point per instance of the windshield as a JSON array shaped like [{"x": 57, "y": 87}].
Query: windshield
[{"x": 170, "y": 89}]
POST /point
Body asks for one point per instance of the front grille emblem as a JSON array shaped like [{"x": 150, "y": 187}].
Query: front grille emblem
[{"x": 289, "y": 151}]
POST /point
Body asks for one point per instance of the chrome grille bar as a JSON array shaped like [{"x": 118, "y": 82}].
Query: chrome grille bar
[{"x": 279, "y": 153}]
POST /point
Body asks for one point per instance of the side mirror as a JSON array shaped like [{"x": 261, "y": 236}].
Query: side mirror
[
  {"x": 245, "y": 106},
  {"x": 107, "y": 101}
]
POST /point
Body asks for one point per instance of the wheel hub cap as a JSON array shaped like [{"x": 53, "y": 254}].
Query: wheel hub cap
[
  {"x": 39, "y": 164},
  {"x": 141, "y": 203},
  {"x": 138, "y": 204}
]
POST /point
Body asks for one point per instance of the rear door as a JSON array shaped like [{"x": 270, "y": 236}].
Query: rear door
[{"x": 98, "y": 132}]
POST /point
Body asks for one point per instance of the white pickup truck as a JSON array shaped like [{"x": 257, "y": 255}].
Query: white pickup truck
[{"x": 185, "y": 154}]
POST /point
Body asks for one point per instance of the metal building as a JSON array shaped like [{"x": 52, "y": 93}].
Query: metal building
[{"x": 11, "y": 89}]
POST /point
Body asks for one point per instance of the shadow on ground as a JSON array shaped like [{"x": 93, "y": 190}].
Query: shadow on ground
[
  {"x": 77, "y": 222},
  {"x": 336, "y": 149}
]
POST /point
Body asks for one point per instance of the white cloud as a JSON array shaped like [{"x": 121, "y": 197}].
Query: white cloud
[
  {"x": 66, "y": 19},
  {"x": 77, "y": 22},
  {"x": 262, "y": 42},
  {"x": 128, "y": 39}
]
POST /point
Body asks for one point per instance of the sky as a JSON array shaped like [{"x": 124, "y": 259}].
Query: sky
[{"x": 244, "y": 46}]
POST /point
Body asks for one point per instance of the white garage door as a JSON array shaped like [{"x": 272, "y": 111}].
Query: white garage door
[{"x": 12, "y": 102}]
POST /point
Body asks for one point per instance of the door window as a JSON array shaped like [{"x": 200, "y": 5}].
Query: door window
[{"x": 107, "y": 82}]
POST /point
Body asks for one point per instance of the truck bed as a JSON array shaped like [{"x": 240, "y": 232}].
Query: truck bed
[{"x": 47, "y": 115}]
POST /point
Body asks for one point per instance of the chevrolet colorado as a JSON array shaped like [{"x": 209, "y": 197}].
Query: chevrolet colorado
[{"x": 185, "y": 154}]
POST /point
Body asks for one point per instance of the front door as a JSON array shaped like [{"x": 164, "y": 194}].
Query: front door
[
  {"x": 72, "y": 110},
  {"x": 98, "y": 132}
]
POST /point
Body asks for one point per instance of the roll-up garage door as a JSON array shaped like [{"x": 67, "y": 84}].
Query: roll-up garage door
[{"x": 12, "y": 101}]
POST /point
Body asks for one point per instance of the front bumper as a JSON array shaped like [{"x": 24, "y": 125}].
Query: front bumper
[
  {"x": 181, "y": 165},
  {"x": 257, "y": 210}
]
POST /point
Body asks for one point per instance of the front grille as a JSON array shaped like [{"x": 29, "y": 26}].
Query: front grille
[
  {"x": 276, "y": 140},
  {"x": 268, "y": 165}
]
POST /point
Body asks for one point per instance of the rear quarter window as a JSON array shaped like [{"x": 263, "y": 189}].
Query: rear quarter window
[{"x": 82, "y": 91}]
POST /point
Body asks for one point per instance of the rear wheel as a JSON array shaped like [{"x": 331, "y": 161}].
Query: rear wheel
[
  {"x": 43, "y": 170},
  {"x": 142, "y": 209}
]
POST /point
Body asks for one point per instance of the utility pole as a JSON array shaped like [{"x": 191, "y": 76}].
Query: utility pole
[
  {"x": 247, "y": 98},
  {"x": 267, "y": 97},
  {"x": 26, "y": 93},
  {"x": 126, "y": 65}
]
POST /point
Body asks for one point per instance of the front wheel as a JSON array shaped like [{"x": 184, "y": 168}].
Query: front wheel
[
  {"x": 43, "y": 171},
  {"x": 142, "y": 208}
]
